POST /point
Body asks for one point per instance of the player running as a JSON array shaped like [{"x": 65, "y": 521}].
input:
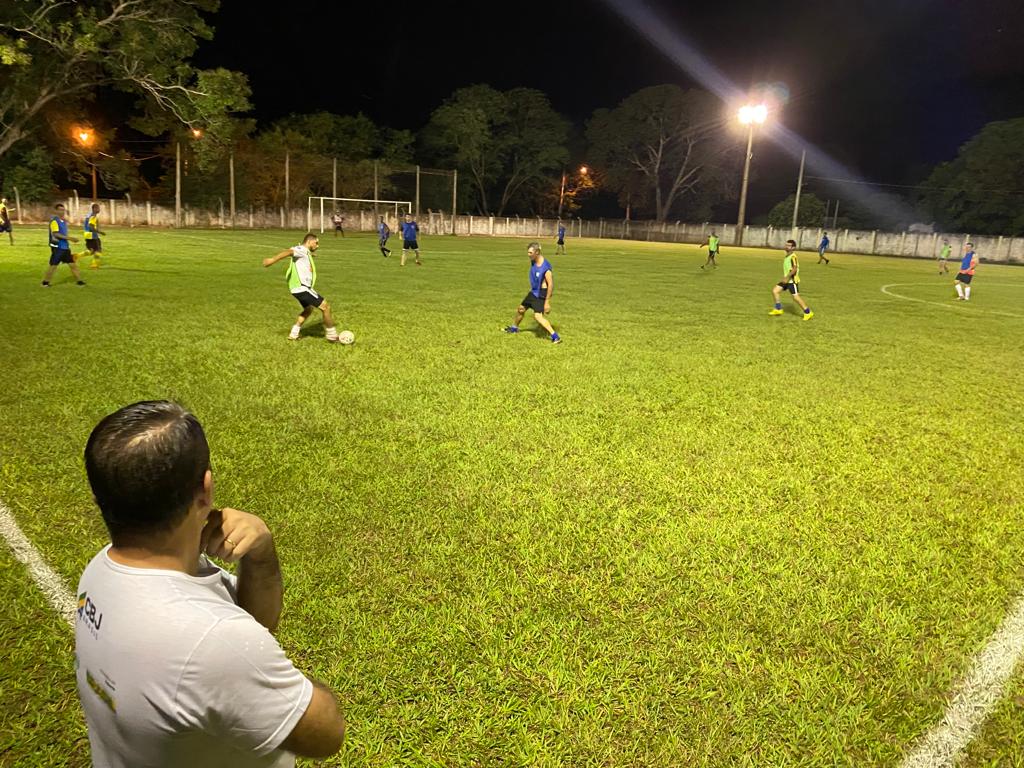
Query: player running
[
  {"x": 822, "y": 247},
  {"x": 542, "y": 286},
  {"x": 91, "y": 233},
  {"x": 944, "y": 253},
  {"x": 60, "y": 247},
  {"x": 966, "y": 274},
  {"x": 712, "y": 246},
  {"x": 410, "y": 238},
  {"x": 384, "y": 232},
  {"x": 301, "y": 276},
  {"x": 790, "y": 282},
  {"x": 560, "y": 243}
]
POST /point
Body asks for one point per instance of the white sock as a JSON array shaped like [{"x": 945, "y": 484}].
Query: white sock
[
  {"x": 295, "y": 331},
  {"x": 959, "y": 290},
  {"x": 332, "y": 333},
  {"x": 967, "y": 292}
]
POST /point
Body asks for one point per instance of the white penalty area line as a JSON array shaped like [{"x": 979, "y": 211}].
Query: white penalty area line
[
  {"x": 974, "y": 698},
  {"x": 959, "y": 306},
  {"x": 52, "y": 585}
]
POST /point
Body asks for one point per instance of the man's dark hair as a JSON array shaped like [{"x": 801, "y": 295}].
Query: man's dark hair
[
  {"x": 310, "y": 236},
  {"x": 146, "y": 463},
  {"x": 58, "y": 206},
  {"x": 791, "y": 242}
]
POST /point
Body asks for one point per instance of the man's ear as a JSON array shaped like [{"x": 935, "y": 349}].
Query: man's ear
[{"x": 205, "y": 497}]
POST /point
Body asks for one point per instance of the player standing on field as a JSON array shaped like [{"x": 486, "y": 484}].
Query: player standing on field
[
  {"x": 560, "y": 243},
  {"x": 60, "y": 247},
  {"x": 91, "y": 233},
  {"x": 790, "y": 282},
  {"x": 301, "y": 276},
  {"x": 338, "y": 221},
  {"x": 384, "y": 232},
  {"x": 966, "y": 274},
  {"x": 410, "y": 238},
  {"x": 712, "y": 246},
  {"x": 5, "y": 220},
  {"x": 944, "y": 254},
  {"x": 542, "y": 286},
  {"x": 822, "y": 247}
]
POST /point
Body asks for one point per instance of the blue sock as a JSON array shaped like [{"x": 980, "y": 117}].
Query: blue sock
[
  {"x": 807, "y": 311},
  {"x": 778, "y": 305},
  {"x": 555, "y": 336}
]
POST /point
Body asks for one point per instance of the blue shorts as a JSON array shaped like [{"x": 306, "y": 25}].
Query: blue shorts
[
  {"x": 791, "y": 287},
  {"x": 60, "y": 256}
]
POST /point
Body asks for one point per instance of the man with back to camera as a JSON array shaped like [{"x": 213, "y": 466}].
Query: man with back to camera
[
  {"x": 968, "y": 264},
  {"x": 175, "y": 661}
]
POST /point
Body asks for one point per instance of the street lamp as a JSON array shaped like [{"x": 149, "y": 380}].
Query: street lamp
[
  {"x": 561, "y": 193},
  {"x": 749, "y": 115},
  {"x": 85, "y": 138}
]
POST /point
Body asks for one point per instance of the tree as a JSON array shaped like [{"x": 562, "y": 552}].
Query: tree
[
  {"x": 981, "y": 191},
  {"x": 660, "y": 146},
  {"x": 56, "y": 54},
  {"x": 812, "y": 212},
  {"x": 30, "y": 169},
  {"x": 505, "y": 142}
]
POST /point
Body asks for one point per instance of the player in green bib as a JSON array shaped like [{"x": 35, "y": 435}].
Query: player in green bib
[
  {"x": 944, "y": 254},
  {"x": 301, "y": 276},
  {"x": 712, "y": 246},
  {"x": 790, "y": 282}
]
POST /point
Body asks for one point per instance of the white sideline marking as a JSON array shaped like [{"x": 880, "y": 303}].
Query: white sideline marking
[
  {"x": 957, "y": 306},
  {"x": 975, "y": 696},
  {"x": 43, "y": 575}
]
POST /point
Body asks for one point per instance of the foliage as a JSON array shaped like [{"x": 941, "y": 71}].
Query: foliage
[
  {"x": 505, "y": 141},
  {"x": 812, "y": 212},
  {"x": 30, "y": 169},
  {"x": 55, "y": 55},
  {"x": 662, "y": 146},
  {"x": 981, "y": 190}
]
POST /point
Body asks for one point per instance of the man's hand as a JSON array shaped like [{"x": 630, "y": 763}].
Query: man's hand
[
  {"x": 547, "y": 307},
  {"x": 268, "y": 261},
  {"x": 231, "y": 534}
]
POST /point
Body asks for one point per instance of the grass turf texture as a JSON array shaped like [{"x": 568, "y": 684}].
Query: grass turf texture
[{"x": 692, "y": 534}]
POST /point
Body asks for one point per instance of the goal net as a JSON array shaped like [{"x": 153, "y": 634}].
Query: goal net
[{"x": 355, "y": 214}]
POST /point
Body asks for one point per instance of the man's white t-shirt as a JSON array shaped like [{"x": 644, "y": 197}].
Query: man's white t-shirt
[
  {"x": 172, "y": 672},
  {"x": 303, "y": 268}
]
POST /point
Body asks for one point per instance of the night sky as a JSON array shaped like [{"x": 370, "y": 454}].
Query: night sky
[{"x": 888, "y": 87}]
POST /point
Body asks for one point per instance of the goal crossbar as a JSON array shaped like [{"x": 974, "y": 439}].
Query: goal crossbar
[{"x": 406, "y": 204}]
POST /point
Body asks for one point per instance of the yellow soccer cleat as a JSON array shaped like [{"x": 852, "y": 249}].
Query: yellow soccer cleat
[
  {"x": 775, "y": 312},
  {"x": 808, "y": 315}
]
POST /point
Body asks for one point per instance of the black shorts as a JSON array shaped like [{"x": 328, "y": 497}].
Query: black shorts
[
  {"x": 536, "y": 303},
  {"x": 560, "y": 242},
  {"x": 94, "y": 245},
  {"x": 383, "y": 242},
  {"x": 308, "y": 298},
  {"x": 60, "y": 256},
  {"x": 965, "y": 279},
  {"x": 339, "y": 228},
  {"x": 791, "y": 287},
  {"x": 5, "y": 226},
  {"x": 713, "y": 254},
  {"x": 410, "y": 245}
]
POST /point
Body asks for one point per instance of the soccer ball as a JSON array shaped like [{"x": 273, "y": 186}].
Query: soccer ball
[{"x": 346, "y": 337}]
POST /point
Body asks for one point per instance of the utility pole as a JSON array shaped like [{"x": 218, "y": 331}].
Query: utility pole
[
  {"x": 799, "y": 187},
  {"x": 231, "y": 170},
  {"x": 177, "y": 185},
  {"x": 455, "y": 189},
  {"x": 287, "y": 190}
]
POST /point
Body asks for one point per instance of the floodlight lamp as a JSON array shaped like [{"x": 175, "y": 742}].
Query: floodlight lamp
[
  {"x": 753, "y": 113},
  {"x": 584, "y": 170}
]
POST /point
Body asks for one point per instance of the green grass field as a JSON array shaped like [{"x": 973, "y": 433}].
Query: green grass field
[{"x": 690, "y": 535}]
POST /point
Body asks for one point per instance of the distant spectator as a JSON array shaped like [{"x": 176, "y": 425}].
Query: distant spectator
[
  {"x": 339, "y": 223},
  {"x": 822, "y": 247}
]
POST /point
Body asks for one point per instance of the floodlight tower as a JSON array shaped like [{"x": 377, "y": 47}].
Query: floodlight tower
[{"x": 749, "y": 115}]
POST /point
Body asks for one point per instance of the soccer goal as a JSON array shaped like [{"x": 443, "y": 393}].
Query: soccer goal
[{"x": 356, "y": 214}]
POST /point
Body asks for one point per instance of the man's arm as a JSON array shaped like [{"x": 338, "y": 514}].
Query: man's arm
[
  {"x": 238, "y": 537},
  {"x": 549, "y": 282},
  {"x": 321, "y": 730},
  {"x": 272, "y": 260}
]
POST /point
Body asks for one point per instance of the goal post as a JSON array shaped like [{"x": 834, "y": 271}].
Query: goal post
[{"x": 322, "y": 208}]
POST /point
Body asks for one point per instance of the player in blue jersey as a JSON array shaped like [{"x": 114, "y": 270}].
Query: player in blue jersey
[
  {"x": 966, "y": 273},
  {"x": 560, "y": 243},
  {"x": 60, "y": 247},
  {"x": 822, "y": 247},
  {"x": 410, "y": 238},
  {"x": 542, "y": 286},
  {"x": 383, "y": 233}
]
